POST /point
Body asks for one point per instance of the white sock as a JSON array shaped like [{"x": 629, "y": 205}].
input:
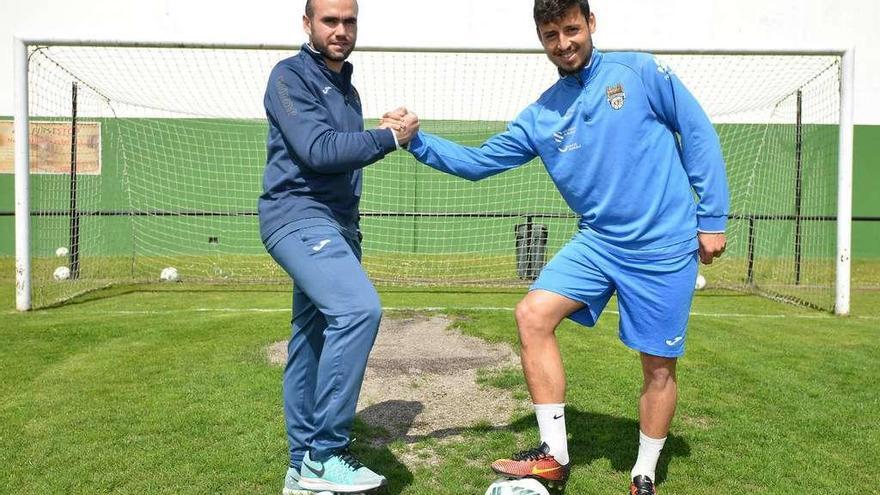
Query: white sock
[
  {"x": 551, "y": 424},
  {"x": 649, "y": 453}
]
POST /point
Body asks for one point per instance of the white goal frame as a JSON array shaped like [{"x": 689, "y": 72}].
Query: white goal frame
[{"x": 22, "y": 146}]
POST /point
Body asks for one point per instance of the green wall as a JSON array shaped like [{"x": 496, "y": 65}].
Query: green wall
[
  {"x": 218, "y": 171},
  {"x": 866, "y": 191}
]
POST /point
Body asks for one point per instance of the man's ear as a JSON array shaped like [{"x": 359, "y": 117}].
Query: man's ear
[{"x": 307, "y": 26}]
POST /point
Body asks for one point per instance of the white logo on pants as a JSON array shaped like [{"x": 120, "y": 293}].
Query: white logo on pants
[{"x": 319, "y": 246}]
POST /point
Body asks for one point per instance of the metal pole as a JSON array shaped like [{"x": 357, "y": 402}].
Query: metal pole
[
  {"x": 22, "y": 180},
  {"x": 74, "y": 213},
  {"x": 415, "y": 208},
  {"x": 844, "y": 183},
  {"x": 798, "y": 186},
  {"x": 530, "y": 265},
  {"x": 750, "y": 271}
]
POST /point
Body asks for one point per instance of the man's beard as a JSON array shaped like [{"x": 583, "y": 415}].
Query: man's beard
[
  {"x": 578, "y": 69},
  {"x": 566, "y": 72},
  {"x": 326, "y": 53}
]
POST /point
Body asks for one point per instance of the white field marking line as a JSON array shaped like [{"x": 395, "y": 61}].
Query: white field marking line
[
  {"x": 613, "y": 312},
  {"x": 466, "y": 308}
]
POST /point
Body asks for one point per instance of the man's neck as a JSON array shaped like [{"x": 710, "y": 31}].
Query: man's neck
[{"x": 334, "y": 65}]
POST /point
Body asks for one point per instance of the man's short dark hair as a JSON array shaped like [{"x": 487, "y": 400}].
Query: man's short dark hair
[
  {"x": 310, "y": 11},
  {"x": 551, "y": 10}
]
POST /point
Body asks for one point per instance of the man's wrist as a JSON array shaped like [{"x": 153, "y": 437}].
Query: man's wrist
[{"x": 404, "y": 146}]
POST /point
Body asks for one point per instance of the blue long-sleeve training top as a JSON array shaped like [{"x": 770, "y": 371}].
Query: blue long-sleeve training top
[
  {"x": 316, "y": 145},
  {"x": 626, "y": 144}
]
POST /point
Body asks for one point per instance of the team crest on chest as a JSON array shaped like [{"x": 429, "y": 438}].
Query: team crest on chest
[{"x": 616, "y": 96}]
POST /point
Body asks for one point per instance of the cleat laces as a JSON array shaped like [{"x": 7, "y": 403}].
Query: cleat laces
[
  {"x": 643, "y": 486},
  {"x": 535, "y": 454}
]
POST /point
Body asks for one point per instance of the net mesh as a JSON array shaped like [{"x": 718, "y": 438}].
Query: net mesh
[{"x": 171, "y": 148}]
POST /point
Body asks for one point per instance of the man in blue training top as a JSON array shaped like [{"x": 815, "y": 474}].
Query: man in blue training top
[
  {"x": 627, "y": 146},
  {"x": 308, "y": 211}
]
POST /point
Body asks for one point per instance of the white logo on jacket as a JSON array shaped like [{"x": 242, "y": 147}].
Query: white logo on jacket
[
  {"x": 561, "y": 136},
  {"x": 663, "y": 67}
]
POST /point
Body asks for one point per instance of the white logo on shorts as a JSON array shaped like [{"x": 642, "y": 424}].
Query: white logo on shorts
[
  {"x": 319, "y": 246},
  {"x": 326, "y": 90},
  {"x": 674, "y": 341}
]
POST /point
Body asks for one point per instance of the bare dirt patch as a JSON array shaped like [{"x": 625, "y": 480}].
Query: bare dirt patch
[{"x": 421, "y": 380}]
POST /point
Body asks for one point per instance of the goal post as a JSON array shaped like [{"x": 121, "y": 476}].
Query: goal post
[
  {"x": 22, "y": 178},
  {"x": 157, "y": 162},
  {"x": 843, "y": 272}
]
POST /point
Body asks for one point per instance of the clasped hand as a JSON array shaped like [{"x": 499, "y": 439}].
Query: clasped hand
[{"x": 402, "y": 122}]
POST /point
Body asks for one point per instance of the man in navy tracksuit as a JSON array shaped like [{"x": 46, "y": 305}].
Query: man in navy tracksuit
[{"x": 308, "y": 211}]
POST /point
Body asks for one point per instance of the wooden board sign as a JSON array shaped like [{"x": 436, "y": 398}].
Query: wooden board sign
[{"x": 50, "y": 147}]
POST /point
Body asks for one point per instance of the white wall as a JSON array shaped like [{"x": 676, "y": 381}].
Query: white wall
[{"x": 468, "y": 23}]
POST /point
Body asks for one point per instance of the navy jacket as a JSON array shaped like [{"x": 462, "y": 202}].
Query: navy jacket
[{"x": 316, "y": 146}]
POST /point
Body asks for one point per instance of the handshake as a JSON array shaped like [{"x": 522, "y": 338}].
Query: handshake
[{"x": 402, "y": 122}]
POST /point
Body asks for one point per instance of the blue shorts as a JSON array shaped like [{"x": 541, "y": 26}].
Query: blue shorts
[{"x": 654, "y": 291}]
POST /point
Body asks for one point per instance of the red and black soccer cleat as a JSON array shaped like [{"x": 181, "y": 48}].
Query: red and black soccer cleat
[
  {"x": 642, "y": 485},
  {"x": 535, "y": 463}
]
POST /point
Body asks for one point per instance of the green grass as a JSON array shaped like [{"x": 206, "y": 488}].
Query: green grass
[{"x": 133, "y": 390}]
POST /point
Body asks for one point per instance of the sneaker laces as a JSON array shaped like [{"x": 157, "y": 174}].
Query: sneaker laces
[{"x": 349, "y": 459}]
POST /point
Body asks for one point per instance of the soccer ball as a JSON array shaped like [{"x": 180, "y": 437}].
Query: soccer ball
[
  {"x": 61, "y": 273},
  {"x": 169, "y": 274},
  {"x": 60, "y": 252},
  {"x": 525, "y": 486},
  {"x": 700, "y": 283}
]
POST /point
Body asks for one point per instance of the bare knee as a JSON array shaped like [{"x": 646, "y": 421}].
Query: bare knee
[
  {"x": 531, "y": 322},
  {"x": 538, "y": 314}
]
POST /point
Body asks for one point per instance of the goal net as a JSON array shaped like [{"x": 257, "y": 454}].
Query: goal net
[{"x": 146, "y": 157}]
